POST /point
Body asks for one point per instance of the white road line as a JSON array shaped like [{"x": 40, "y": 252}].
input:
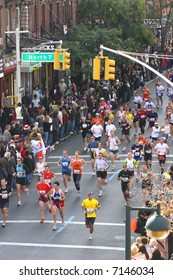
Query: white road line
[
  {"x": 88, "y": 156},
  {"x": 116, "y": 161},
  {"x": 21, "y": 244},
  {"x": 90, "y": 173},
  {"x": 72, "y": 222}
]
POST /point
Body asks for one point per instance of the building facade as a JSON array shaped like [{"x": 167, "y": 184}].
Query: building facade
[{"x": 38, "y": 22}]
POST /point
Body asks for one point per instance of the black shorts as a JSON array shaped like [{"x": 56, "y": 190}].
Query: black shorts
[
  {"x": 147, "y": 157},
  {"x": 4, "y": 204},
  {"x": 126, "y": 132},
  {"x": 21, "y": 181},
  {"x": 125, "y": 187},
  {"x": 162, "y": 159},
  {"x": 89, "y": 221},
  {"x": 44, "y": 199},
  {"x": 102, "y": 174}
]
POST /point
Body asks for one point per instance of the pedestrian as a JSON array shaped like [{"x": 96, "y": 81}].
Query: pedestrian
[
  {"x": 44, "y": 191},
  {"x": 58, "y": 198},
  {"x": 5, "y": 193},
  {"x": 65, "y": 161},
  {"x": 77, "y": 165},
  {"x": 90, "y": 207},
  {"x": 21, "y": 170}
]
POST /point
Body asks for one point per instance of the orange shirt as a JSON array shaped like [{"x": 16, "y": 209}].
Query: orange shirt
[
  {"x": 93, "y": 121},
  {"x": 146, "y": 93},
  {"x": 76, "y": 166}
]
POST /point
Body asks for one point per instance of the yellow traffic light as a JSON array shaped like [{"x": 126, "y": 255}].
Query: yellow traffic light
[
  {"x": 96, "y": 68},
  {"x": 66, "y": 61},
  {"x": 109, "y": 69},
  {"x": 56, "y": 65}
]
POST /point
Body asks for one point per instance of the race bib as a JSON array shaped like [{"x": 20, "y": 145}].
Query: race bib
[
  {"x": 76, "y": 171},
  {"x": 148, "y": 151},
  {"x": 4, "y": 195},
  {"x": 137, "y": 154},
  {"x": 125, "y": 179},
  {"x": 65, "y": 163},
  {"x": 90, "y": 210},
  {"x": 42, "y": 192},
  {"x": 84, "y": 125}
]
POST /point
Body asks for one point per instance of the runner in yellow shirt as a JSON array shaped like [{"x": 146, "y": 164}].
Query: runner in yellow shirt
[{"x": 90, "y": 207}]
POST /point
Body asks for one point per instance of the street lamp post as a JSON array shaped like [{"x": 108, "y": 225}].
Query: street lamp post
[{"x": 157, "y": 226}]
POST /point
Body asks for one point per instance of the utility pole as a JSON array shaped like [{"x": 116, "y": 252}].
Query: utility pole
[{"x": 17, "y": 32}]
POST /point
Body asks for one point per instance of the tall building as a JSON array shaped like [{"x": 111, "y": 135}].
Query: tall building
[{"x": 38, "y": 21}]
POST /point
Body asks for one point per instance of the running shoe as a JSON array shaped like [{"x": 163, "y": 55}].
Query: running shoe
[
  {"x": 79, "y": 194},
  {"x": 100, "y": 194},
  {"x": 90, "y": 237},
  {"x": 19, "y": 203},
  {"x": 63, "y": 223},
  {"x": 3, "y": 225},
  {"x": 124, "y": 149},
  {"x": 93, "y": 174},
  {"x": 42, "y": 220},
  {"x": 113, "y": 168},
  {"x": 54, "y": 228},
  {"x": 66, "y": 190}
]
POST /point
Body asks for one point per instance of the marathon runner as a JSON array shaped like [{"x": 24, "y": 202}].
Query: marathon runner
[{"x": 65, "y": 161}]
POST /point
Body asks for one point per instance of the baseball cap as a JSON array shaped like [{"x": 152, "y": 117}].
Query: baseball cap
[{"x": 90, "y": 193}]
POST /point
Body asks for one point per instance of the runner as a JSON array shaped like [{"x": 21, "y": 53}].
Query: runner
[
  {"x": 132, "y": 164},
  {"x": 20, "y": 179},
  {"x": 58, "y": 198},
  {"x": 161, "y": 149},
  {"x": 152, "y": 117},
  {"x": 137, "y": 150},
  {"x": 65, "y": 161},
  {"x": 142, "y": 115},
  {"x": 44, "y": 191},
  {"x": 91, "y": 147},
  {"x": 97, "y": 130},
  {"x": 40, "y": 166},
  {"x": 109, "y": 127},
  {"x": 48, "y": 174},
  {"x": 146, "y": 178},
  {"x": 159, "y": 94},
  {"x": 135, "y": 119},
  {"x": 101, "y": 167},
  {"x": 125, "y": 176},
  {"x": 113, "y": 143},
  {"x": 120, "y": 114},
  {"x": 77, "y": 165},
  {"x": 125, "y": 127},
  {"x": 90, "y": 207},
  {"x": 146, "y": 93},
  {"x": 148, "y": 153},
  {"x": 155, "y": 133},
  {"x": 84, "y": 128},
  {"x": 5, "y": 193}
]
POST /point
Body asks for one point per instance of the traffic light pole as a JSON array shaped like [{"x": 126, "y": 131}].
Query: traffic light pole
[{"x": 121, "y": 53}]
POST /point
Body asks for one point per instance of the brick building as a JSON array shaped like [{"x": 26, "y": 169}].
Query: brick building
[{"x": 45, "y": 20}]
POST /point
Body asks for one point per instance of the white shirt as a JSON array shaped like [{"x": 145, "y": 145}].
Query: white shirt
[
  {"x": 109, "y": 128},
  {"x": 138, "y": 99},
  {"x": 161, "y": 148},
  {"x": 97, "y": 130},
  {"x": 159, "y": 90},
  {"x": 155, "y": 132},
  {"x": 149, "y": 105},
  {"x": 113, "y": 146}
]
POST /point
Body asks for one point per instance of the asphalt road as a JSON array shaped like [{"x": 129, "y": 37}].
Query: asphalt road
[{"x": 24, "y": 238}]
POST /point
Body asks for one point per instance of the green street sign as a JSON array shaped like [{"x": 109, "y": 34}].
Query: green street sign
[{"x": 38, "y": 57}]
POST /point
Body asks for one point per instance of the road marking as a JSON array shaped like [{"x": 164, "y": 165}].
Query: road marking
[
  {"x": 116, "y": 161},
  {"x": 58, "y": 222},
  {"x": 61, "y": 228},
  {"x": 115, "y": 173},
  {"x": 22, "y": 244},
  {"x": 88, "y": 156}
]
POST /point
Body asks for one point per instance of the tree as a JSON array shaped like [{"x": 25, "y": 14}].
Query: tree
[{"x": 117, "y": 24}]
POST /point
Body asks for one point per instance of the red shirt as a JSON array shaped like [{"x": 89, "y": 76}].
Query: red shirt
[
  {"x": 47, "y": 176},
  {"x": 43, "y": 188},
  {"x": 142, "y": 115}
]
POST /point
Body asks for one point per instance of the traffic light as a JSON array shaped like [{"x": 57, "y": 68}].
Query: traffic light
[
  {"x": 56, "y": 65},
  {"x": 66, "y": 61},
  {"x": 96, "y": 68},
  {"x": 109, "y": 69}
]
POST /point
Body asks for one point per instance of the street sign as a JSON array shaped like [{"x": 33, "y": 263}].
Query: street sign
[{"x": 38, "y": 57}]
